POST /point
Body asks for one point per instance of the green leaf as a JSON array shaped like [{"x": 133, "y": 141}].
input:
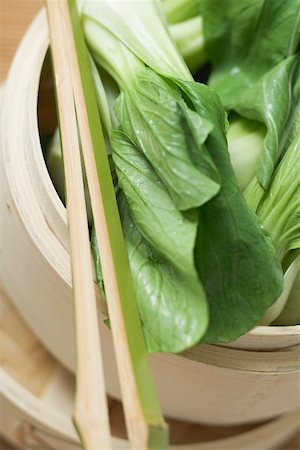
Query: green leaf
[
  {"x": 235, "y": 258},
  {"x": 244, "y": 40},
  {"x": 157, "y": 120},
  {"x": 160, "y": 245},
  {"x": 172, "y": 304},
  {"x": 252, "y": 46},
  {"x": 285, "y": 301},
  {"x": 150, "y": 110},
  {"x": 172, "y": 140},
  {"x": 180, "y": 10},
  {"x": 144, "y": 32},
  {"x": 189, "y": 38},
  {"x": 269, "y": 101},
  {"x": 245, "y": 144},
  {"x": 291, "y": 312},
  {"x": 171, "y": 233},
  {"x": 280, "y": 207}
]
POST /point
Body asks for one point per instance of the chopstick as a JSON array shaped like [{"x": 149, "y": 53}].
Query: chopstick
[
  {"x": 145, "y": 424},
  {"x": 91, "y": 412}
]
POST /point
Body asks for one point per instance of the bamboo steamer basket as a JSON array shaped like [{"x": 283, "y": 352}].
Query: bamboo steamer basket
[
  {"x": 37, "y": 397},
  {"x": 255, "y": 378}
]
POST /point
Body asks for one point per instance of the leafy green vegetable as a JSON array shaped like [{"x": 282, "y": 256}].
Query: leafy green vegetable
[
  {"x": 167, "y": 283},
  {"x": 154, "y": 212},
  {"x": 252, "y": 46},
  {"x": 188, "y": 36},
  {"x": 205, "y": 267},
  {"x": 155, "y": 117},
  {"x": 179, "y": 126},
  {"x": 98, "y": 270},
  {"x": 280, "y": 208},
  {"x": 186, "y": 28},
  {"x": 256, "y": 72},
  {"x": 291, "y": 312},
  {"x": 152, "y": 113},
  {"x": 269, "y": 101},
  {"x": 180, "y": 10},
  {"x": 106, "y": 19},
  {"x": 163, "y": 168},
  {"x": 245, "y": 144},
  {"x": 245, "y": 40},
  {"x": 234, "y": 255},
  {"x": 280, "y": 211},
  {"x": 172, "y": 306},
  {"x": 286, "y": 303}
]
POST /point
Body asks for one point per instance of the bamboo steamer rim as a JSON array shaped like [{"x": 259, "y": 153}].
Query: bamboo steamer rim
[
  {"x": 29, "y": 415},
  {"x": 46, "y": 422},
  {"x": 44, "y": 216}
]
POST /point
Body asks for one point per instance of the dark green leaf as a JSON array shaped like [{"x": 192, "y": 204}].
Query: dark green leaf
[
  {"x": 235, "y": 258},
  {"x": 245, "y": 39},
  {"x": 251, "y": 44}
]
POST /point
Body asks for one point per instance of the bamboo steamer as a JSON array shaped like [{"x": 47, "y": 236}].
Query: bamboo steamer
[
  {"x": 255, "y": 378},
  {"x": 37, "y": 396}
]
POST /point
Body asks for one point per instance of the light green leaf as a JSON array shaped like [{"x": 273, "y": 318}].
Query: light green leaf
[
  {"x": 157, "y": 120},
  {"x": 286, "y": 298},
  {"x": 269, "y": 101},
  {"x": 291, "y": 312},
  {"x": 245, "y": 143},
  {"x": 280, "y": 207},
  {"x": 171, "y": 233},
  {"x": 189, "y": 38},
  {"x": 151, "y": 111},
  {"x": 180, "y": 10},
  {"x": 172, "y": 305},
  {"x": 143, "y": 32}
]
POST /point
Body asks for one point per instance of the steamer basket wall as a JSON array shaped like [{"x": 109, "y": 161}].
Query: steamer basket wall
[{"x": 37, "y": 401}]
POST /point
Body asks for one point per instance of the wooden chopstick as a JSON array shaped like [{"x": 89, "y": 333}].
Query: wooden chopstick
[
  {"x": 91, "y": 412},
  {"x": 145, "y": 424}
]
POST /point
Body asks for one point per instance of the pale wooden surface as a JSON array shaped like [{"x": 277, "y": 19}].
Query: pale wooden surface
[{"x": 15, "y": 15}]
